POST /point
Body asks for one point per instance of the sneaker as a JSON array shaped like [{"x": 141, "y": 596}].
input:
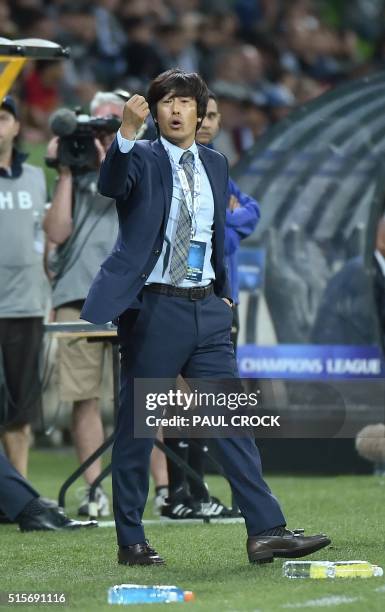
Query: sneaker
[
  {"x": 177, "y": 511},
  {"x": 161, "y": 493},
  {"x": 212, "y": 509},
  {"x": 100, "y": 507}
]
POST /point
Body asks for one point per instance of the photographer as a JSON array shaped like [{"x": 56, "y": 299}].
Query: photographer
[
  {"x": 23, "y": 289},
  {"x": 83, "y": 225}
]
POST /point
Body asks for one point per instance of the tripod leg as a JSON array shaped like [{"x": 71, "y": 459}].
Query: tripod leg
[{"x": 79, "y": 471}]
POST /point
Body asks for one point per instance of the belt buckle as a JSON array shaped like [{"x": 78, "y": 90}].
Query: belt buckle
[{"x": 195, "y": 293}]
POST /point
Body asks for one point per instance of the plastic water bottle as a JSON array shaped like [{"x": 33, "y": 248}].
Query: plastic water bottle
[
  {"x": 331, "y": 569},
  {"x": 125, "y": 594}
]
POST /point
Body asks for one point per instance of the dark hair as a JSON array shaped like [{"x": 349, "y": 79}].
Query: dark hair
[
  {"x": 213, "y": 96},
  {"x": 180, "y": 83}
]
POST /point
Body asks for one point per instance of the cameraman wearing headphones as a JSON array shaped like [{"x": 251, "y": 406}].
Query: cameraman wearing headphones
[{"x": 83, "y": 225}]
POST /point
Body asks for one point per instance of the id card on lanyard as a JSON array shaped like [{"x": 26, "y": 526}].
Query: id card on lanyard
[
  {"x": 196, "y": 260},
  {"x": 196, "y": 255},
  {"x": 197, "y": 250},
  {"x": 192, "y": 200}
]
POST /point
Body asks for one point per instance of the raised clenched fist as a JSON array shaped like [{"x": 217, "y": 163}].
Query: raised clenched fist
[{"x": 134, "y": 114}]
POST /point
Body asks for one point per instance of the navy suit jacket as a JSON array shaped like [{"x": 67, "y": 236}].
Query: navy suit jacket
[{"x": 141, "y": 183}]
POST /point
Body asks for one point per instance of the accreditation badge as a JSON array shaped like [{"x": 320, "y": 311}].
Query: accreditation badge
[{"x": 196, "y": 260}]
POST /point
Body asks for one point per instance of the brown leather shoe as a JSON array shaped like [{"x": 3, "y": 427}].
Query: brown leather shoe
[
  {"x": 291, "y": 544},
  {"x": 139, "y": 554}
]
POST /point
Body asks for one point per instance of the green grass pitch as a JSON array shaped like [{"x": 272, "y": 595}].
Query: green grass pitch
[{"x": 208, "y": 559}]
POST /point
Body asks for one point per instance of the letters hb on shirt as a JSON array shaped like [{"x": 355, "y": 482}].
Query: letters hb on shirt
[{"x": 21, "y": 200}]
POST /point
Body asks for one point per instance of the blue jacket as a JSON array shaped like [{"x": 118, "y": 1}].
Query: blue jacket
[
  {"x": 141, "y": 183},
  {"x": 239, "y": 224}
]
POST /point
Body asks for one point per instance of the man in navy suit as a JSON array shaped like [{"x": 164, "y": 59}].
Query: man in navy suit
[{"x": 171, "y": 197}]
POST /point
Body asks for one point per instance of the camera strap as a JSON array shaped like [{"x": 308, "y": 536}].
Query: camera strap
[{"x": 66, "y": 259}]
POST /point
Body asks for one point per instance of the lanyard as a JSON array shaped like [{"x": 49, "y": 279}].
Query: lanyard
[{"x": 193, "y": 201}]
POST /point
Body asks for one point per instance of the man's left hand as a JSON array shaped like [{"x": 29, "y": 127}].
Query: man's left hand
[{"x": 226, "y": 301}]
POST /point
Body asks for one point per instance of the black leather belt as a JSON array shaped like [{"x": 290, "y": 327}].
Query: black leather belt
[{"x": 191, "y": 293}]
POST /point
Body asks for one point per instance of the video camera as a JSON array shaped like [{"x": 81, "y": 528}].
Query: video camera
[{"x": 76, "y": 133}]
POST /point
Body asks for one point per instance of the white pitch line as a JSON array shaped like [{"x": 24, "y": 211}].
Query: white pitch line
[
  {"x": 334, "y": 600},
  {"x": 169, "y": 522}
]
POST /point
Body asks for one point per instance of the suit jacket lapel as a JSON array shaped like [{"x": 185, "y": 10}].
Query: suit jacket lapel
[{"x": 165, "y": 174}]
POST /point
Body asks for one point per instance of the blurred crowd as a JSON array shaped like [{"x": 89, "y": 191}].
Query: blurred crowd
[{"x": 261, "y": 57}]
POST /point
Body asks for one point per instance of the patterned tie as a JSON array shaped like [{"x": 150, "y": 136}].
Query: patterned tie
[{"x": 178, "y": 265}]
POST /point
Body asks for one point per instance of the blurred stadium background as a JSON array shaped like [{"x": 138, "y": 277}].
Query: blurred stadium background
[
  {"x": 316, "y": 171},
  {"x": 301, "y": 90}
]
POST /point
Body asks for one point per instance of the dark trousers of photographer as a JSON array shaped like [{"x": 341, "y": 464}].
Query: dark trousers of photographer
[{"x": 20, "y": 341}]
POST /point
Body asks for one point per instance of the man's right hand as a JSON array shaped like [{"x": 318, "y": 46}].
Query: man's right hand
[{"x": 135, "y": 113}]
